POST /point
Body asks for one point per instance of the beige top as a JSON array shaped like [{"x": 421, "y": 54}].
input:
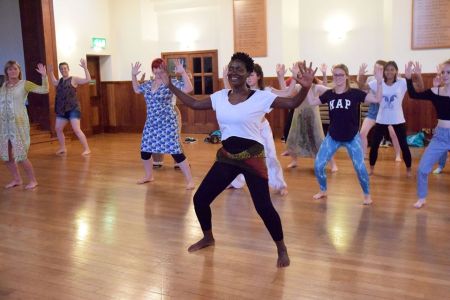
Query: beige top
[{"x": 14, "y": 123}]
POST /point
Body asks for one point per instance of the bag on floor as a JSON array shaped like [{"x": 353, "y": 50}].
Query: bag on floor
[
  {"x": 214, "y": 137},
  {"x": 416, "y": 140}
]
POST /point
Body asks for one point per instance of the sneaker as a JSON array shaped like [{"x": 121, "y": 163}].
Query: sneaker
[{"x": 189, "y": 140}]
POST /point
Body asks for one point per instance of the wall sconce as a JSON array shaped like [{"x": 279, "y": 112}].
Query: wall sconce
[{"x": 337, "y": 28}]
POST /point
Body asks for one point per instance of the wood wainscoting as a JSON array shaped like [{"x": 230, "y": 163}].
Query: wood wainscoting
[{"x": 125, "y": 111}]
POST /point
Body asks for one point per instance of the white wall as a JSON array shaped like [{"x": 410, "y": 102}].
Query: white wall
[
  {"x": 76, "y": 23},
  {"x": 11, "y": 34},
  {"x": 139, "y": 30}
]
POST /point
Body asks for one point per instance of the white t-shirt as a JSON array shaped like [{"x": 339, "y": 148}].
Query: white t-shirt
[
  {"x": 242, "y": 119},
  {"x": 391, "y": 111}
]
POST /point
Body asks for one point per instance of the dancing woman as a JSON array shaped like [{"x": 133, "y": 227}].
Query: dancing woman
[
  {"x": 390, "y": 113},
  {"x": 343, "y": 103},
  {"x": 67, "y": 105},
  {"x": 239, "y": 113},
  {"x": 440, "y": 143},
  {"x": 370, "y": 120},
  {"x": 161, "y": 134},
  {"x": 14, "y": 123}
]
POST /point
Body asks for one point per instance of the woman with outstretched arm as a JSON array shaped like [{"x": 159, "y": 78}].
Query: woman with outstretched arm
[{"x": 239, "y": 112}]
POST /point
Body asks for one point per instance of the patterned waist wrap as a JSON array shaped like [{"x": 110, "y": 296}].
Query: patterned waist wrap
[{"x": 252, "y": 159}]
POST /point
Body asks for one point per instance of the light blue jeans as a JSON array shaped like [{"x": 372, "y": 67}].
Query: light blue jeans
[
  {"x": 329, "y": 147},
  {"x": 438, "y": 147}
]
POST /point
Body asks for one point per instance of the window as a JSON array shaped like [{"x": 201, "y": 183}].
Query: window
[{"x": 202, "y": 66}]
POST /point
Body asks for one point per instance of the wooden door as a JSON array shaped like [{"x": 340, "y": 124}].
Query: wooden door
[
  {"x": 95, "y": 99},
  {"x": 203, "y": 67}
]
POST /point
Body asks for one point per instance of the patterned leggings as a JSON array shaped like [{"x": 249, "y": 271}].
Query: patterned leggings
[{"x": 328, "y": 149}]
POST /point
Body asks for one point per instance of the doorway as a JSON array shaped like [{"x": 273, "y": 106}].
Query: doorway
[{"x": 97, "y": 119}]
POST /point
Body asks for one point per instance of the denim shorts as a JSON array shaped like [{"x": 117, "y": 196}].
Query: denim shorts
[
  {"x": 372, "y": 112},
  {"x": 71, "y": 114}
]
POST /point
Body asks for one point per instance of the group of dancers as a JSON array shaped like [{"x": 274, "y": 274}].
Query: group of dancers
[{"x": 248, "y": 155}]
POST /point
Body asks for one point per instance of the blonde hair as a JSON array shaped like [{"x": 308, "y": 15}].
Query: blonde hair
[{"x": 8, "y": 65}]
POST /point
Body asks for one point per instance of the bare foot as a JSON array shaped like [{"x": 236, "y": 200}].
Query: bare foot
[
  {"x": 203, "y": 243},
  {"x": 283, "y": 191},
  {"x": 145, "y": 180},
  {"x": 86, "y": 152},
  {"x": 31, "y": 185},
  {"x": 408, "y": 172},
  {"x": 285, "y": 153},
  {"x": 283, "y": 259},
  {"x": 190, "y": 186},
  {"x": 13, "y": 183},
  {"x": 371, "y": 169},
  {"x": 292, "y": 165},
  {"x": 367, "y": 200},
  {"x": 334, "y": 169},
  {"x": 398, "y": 159},
  {"x": 320, "y": 195},
  {"x": 420, "y": 203},
  {"x": 61, "y": 151}
]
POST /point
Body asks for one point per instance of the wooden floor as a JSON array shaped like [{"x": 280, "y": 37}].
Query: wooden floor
[{"x": 89, "y": 232}]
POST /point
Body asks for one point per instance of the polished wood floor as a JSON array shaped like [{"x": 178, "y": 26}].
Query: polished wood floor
[{"x": 89, "y": 232}]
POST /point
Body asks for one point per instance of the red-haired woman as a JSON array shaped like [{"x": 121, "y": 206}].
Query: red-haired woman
[{"x": 161, "y": 133}]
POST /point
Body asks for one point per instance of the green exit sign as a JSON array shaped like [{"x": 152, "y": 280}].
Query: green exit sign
[{"x": 98, "y": 43}]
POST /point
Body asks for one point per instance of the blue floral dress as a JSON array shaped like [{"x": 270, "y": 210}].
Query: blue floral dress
[{"x": 160, "y": 133}]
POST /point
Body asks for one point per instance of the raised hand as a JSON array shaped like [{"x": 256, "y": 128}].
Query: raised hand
[
  {"x": 307, "y": 74},
  {"x": 378, "y": 72},
  {"x": 417, "y": 68},
  {"x": 83, "y": 63},
  {"x": 408, "y": 69},
  {"x": 437, "y": 80},
  {"x": 323, "y": 68},
  {"x": 281, "y": 70},
  {"x": 225, "y": 71},
  {"x": 363, "y": 69},
  {"x": 135, "y": 68},
  {"x": 295, "y": 70},
  {"x": 179, "y": 69},
  {"x": 41, "y": 69}
]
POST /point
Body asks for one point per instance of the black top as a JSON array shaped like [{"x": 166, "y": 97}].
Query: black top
[
  {"x": 235, "y": 144},
  {"x": 66, "y": 97},
  {"x": 441, "y": 103},
  {"x": 344, "y": 113}
]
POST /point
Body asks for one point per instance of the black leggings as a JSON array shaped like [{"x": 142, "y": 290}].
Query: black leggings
[
  {"x": 218, "y": 178},
  {"x": 177, "y": 157},
  {"x": 379, "y": 131}
]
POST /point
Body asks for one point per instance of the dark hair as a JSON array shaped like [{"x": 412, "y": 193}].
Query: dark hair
[
  {"x": 63, "y": 64},
  {"x": 246, "y": 59},
  {"x": 9, "y": 64},
  {"x": 259, "y": 72},
  {"x": 390, "y": 63},
  {"x": 157, "y": 62}
]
